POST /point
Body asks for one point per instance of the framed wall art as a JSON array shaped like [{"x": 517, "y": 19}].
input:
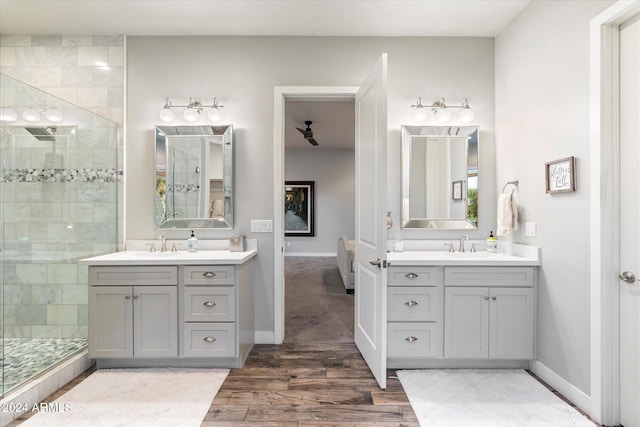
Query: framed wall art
[
  {"x": 298, "y": 208},
  {"x": 560, "y": 175}
]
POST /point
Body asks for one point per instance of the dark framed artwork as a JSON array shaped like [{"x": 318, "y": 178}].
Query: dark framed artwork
[
  {"x": 298, "y": 208},
  {"x": 560, "y": 175}
]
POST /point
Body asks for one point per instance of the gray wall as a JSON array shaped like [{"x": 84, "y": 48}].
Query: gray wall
[
  {"x": 333, "y": 171},
  {"x": 542, "y": 114},
  {"x": 242, "y": 72}
]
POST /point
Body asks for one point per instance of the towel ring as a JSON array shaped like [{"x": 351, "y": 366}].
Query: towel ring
[{"x": 515, "y": 183}]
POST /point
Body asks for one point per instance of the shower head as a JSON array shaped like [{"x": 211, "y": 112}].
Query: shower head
[{"x": 42, "y": 133}]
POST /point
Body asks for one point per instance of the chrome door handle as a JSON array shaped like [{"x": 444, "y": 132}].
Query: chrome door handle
[
  {"x": 209, "y": 274},
  {"x": 627, "y": 276},
  {"x": 376, "y": 263},
  {"x": 411, "y": 303}
]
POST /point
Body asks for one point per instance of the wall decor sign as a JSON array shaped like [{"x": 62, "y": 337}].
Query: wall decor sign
[
  {"x": 560, "y": 175},
  {"x": 456, "y": 190},
  {"x": 298, "y": 208}
]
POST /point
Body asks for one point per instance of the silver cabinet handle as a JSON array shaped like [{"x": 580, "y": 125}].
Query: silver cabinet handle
[
  {"x": 411, "y": 276},
  {"x": 411, "y": 339},
  {"x": 209, "y": 303},
  {"x": 411, "y": 303},
  {"x": 208, "y": 274},
  {"x": 209, "y": 339},
  {"x": 494, "y": 298},
  {"x": 486, "y": 298},
  {"x": 135, "y": 296},
  {"x": 127, "y": 297}
]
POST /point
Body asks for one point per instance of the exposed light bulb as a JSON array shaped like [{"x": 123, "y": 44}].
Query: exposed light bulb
[
  {"x": 166, "y": 115},
  {"x": 466, "y": 115},
  {"x": 8, "y": 115},
  {"x": 190, "y": 114},
  {"x": 215, "y": 112},
  {"x": 31, "y": 115},
  {"x": 53, "y": 115},
  {"x": 443, "y": 114},
  {"x": 420, "y": 114}
]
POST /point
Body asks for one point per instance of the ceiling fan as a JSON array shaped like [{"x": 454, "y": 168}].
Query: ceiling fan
[{"x": 308, "y": 134}]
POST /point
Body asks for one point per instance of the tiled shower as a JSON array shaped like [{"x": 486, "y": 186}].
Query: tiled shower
[{"x": 58, "y": 204}]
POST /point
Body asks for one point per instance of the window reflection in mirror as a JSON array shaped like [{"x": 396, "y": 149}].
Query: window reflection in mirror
[
  {"x": 440, "y": 177},
  {"x": 194, "y": 177}
]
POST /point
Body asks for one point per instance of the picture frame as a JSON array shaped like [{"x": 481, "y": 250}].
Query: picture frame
[
  {"x": 299, "y": 207},
  {"x": 456, "y": 190},
  {"x": 560, "y": 175}
]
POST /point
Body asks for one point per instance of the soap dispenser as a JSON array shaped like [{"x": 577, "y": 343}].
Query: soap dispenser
[
  {"x": 192, "y": 243},
  {"x": 492, "y": 243}
]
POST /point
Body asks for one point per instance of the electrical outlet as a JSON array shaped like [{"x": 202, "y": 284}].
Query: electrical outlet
[{"x": 530, "y": 229}]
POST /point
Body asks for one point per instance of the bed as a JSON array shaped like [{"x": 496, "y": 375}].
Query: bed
[{"x": 345, "y": 262}]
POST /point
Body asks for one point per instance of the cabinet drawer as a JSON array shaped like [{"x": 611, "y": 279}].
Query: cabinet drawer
[
  {"x": 413, "y": 340},
  {"x": 413, "y": 304},
  {"x": 209, "y": 304},
  {"x": 209, "y": 339},
  {"x": 209, "y": 275},
  {"x": 489, "y": 276},
  {"x": 414, "y": 276},
  {"x": 133, "y": 276}
]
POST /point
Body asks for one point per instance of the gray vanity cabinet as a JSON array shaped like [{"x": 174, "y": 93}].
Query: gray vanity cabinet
[
  {"x": 489, "y": 322},
  {"x": 133, "y": 312}
]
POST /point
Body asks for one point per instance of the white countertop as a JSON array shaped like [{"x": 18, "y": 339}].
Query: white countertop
[
  {"x": 460, "y": 258},
  {"x": 201, "y": 257}
]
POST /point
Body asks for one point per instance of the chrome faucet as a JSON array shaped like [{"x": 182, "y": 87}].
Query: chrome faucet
[
  {"x": 164, "y": 243},
  {"x": 462, "y": 238}
]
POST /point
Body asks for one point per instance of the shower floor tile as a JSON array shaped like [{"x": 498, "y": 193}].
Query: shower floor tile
[{"x": 24, "y": 358}]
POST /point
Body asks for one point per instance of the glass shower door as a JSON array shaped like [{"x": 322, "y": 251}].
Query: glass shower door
[{"x": 58, "y": 202}]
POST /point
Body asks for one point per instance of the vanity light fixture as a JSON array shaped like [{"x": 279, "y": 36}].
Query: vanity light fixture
[
  {"x": 442, "y": 111},
  {"x": 192, "y": 111},
  {"x": 31, "y": 114}
]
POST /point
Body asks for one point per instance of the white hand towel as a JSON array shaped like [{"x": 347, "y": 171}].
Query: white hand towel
[{"x": 507, "y": 215}]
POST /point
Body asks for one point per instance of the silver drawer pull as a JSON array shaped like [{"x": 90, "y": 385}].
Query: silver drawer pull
[
  {"x": 411, "y": 276},
  {"x": 494, "y": 298},
  {"x": 411, "y": 339},
  {"x": 411, "y": 303},
  {"x": 209, "y": 303},
  {"x": 209, "y": 274},
  {"x": 486, "y": 298},
  {"x": 209, "y": 339}
]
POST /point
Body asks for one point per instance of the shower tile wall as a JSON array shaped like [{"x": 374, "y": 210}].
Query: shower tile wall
[{"x": 88, "y": 71}]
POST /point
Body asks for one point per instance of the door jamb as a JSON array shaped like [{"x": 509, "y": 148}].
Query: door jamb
[
  {"x": 281, "y": 95},
  {"x": 604, "y": 206}
]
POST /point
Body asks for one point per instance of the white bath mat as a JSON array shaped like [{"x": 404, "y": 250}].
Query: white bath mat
[
  {"x": 135, "y": 397},
  {"x": 485, "y": 397}
]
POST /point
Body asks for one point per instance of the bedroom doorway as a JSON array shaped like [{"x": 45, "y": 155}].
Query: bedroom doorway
[{"x": 319, "y": 177}]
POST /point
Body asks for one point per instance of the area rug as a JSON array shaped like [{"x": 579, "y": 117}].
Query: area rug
[
  {"x": 485, "y": 397},
  {"x": 156, "y": 397}
]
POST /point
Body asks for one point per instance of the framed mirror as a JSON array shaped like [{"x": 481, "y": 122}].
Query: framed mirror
[
  {"x": 440, "y": 177},
  {"x": 194, "y": 177}
]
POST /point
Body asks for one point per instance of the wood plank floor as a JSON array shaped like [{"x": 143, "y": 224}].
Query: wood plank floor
[{"x": 307, "y": 385}]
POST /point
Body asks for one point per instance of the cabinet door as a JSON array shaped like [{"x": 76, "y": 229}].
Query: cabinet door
[
  {"x": 155, "y": 321},
  {"x": 110, "y": 321},
  {"x": 466, "y": 324},
  {"x": 511, "y": 323}
]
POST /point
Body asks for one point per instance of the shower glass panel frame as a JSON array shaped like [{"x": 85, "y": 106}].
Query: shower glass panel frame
[{"x": 58, "y": 204}]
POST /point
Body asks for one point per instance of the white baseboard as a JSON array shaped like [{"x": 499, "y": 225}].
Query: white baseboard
[
  {"x": 265, "y": 337},
  {"x": 311, "y": 254},
  {"x": 568, "y": 390}
]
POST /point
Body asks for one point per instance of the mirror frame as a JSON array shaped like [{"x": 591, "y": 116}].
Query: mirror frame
[
  {"x": 162, "y": 134},
  {"x": 408, "y": 134}
]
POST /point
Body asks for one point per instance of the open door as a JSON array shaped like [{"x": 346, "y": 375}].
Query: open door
[{"x": 371, "y": 234}]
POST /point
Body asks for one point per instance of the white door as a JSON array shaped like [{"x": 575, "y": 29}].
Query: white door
[
  {"x": 371, "y": 234},
  {"x": 629, "y": 225}
]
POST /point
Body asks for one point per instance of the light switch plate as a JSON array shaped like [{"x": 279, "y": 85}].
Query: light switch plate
[
  {"x": 530, "y": 229},
  {"x": 261, "y": 226}
]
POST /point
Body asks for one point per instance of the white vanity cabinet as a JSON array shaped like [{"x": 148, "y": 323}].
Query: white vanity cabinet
[
  {"x": 133, "y": 312},
  {"x": 181, "y": 309}
]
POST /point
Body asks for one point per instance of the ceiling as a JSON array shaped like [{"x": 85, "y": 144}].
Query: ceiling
[
  {"x": 468, "y": 18},
  {"x": 333, "y": 124}
]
